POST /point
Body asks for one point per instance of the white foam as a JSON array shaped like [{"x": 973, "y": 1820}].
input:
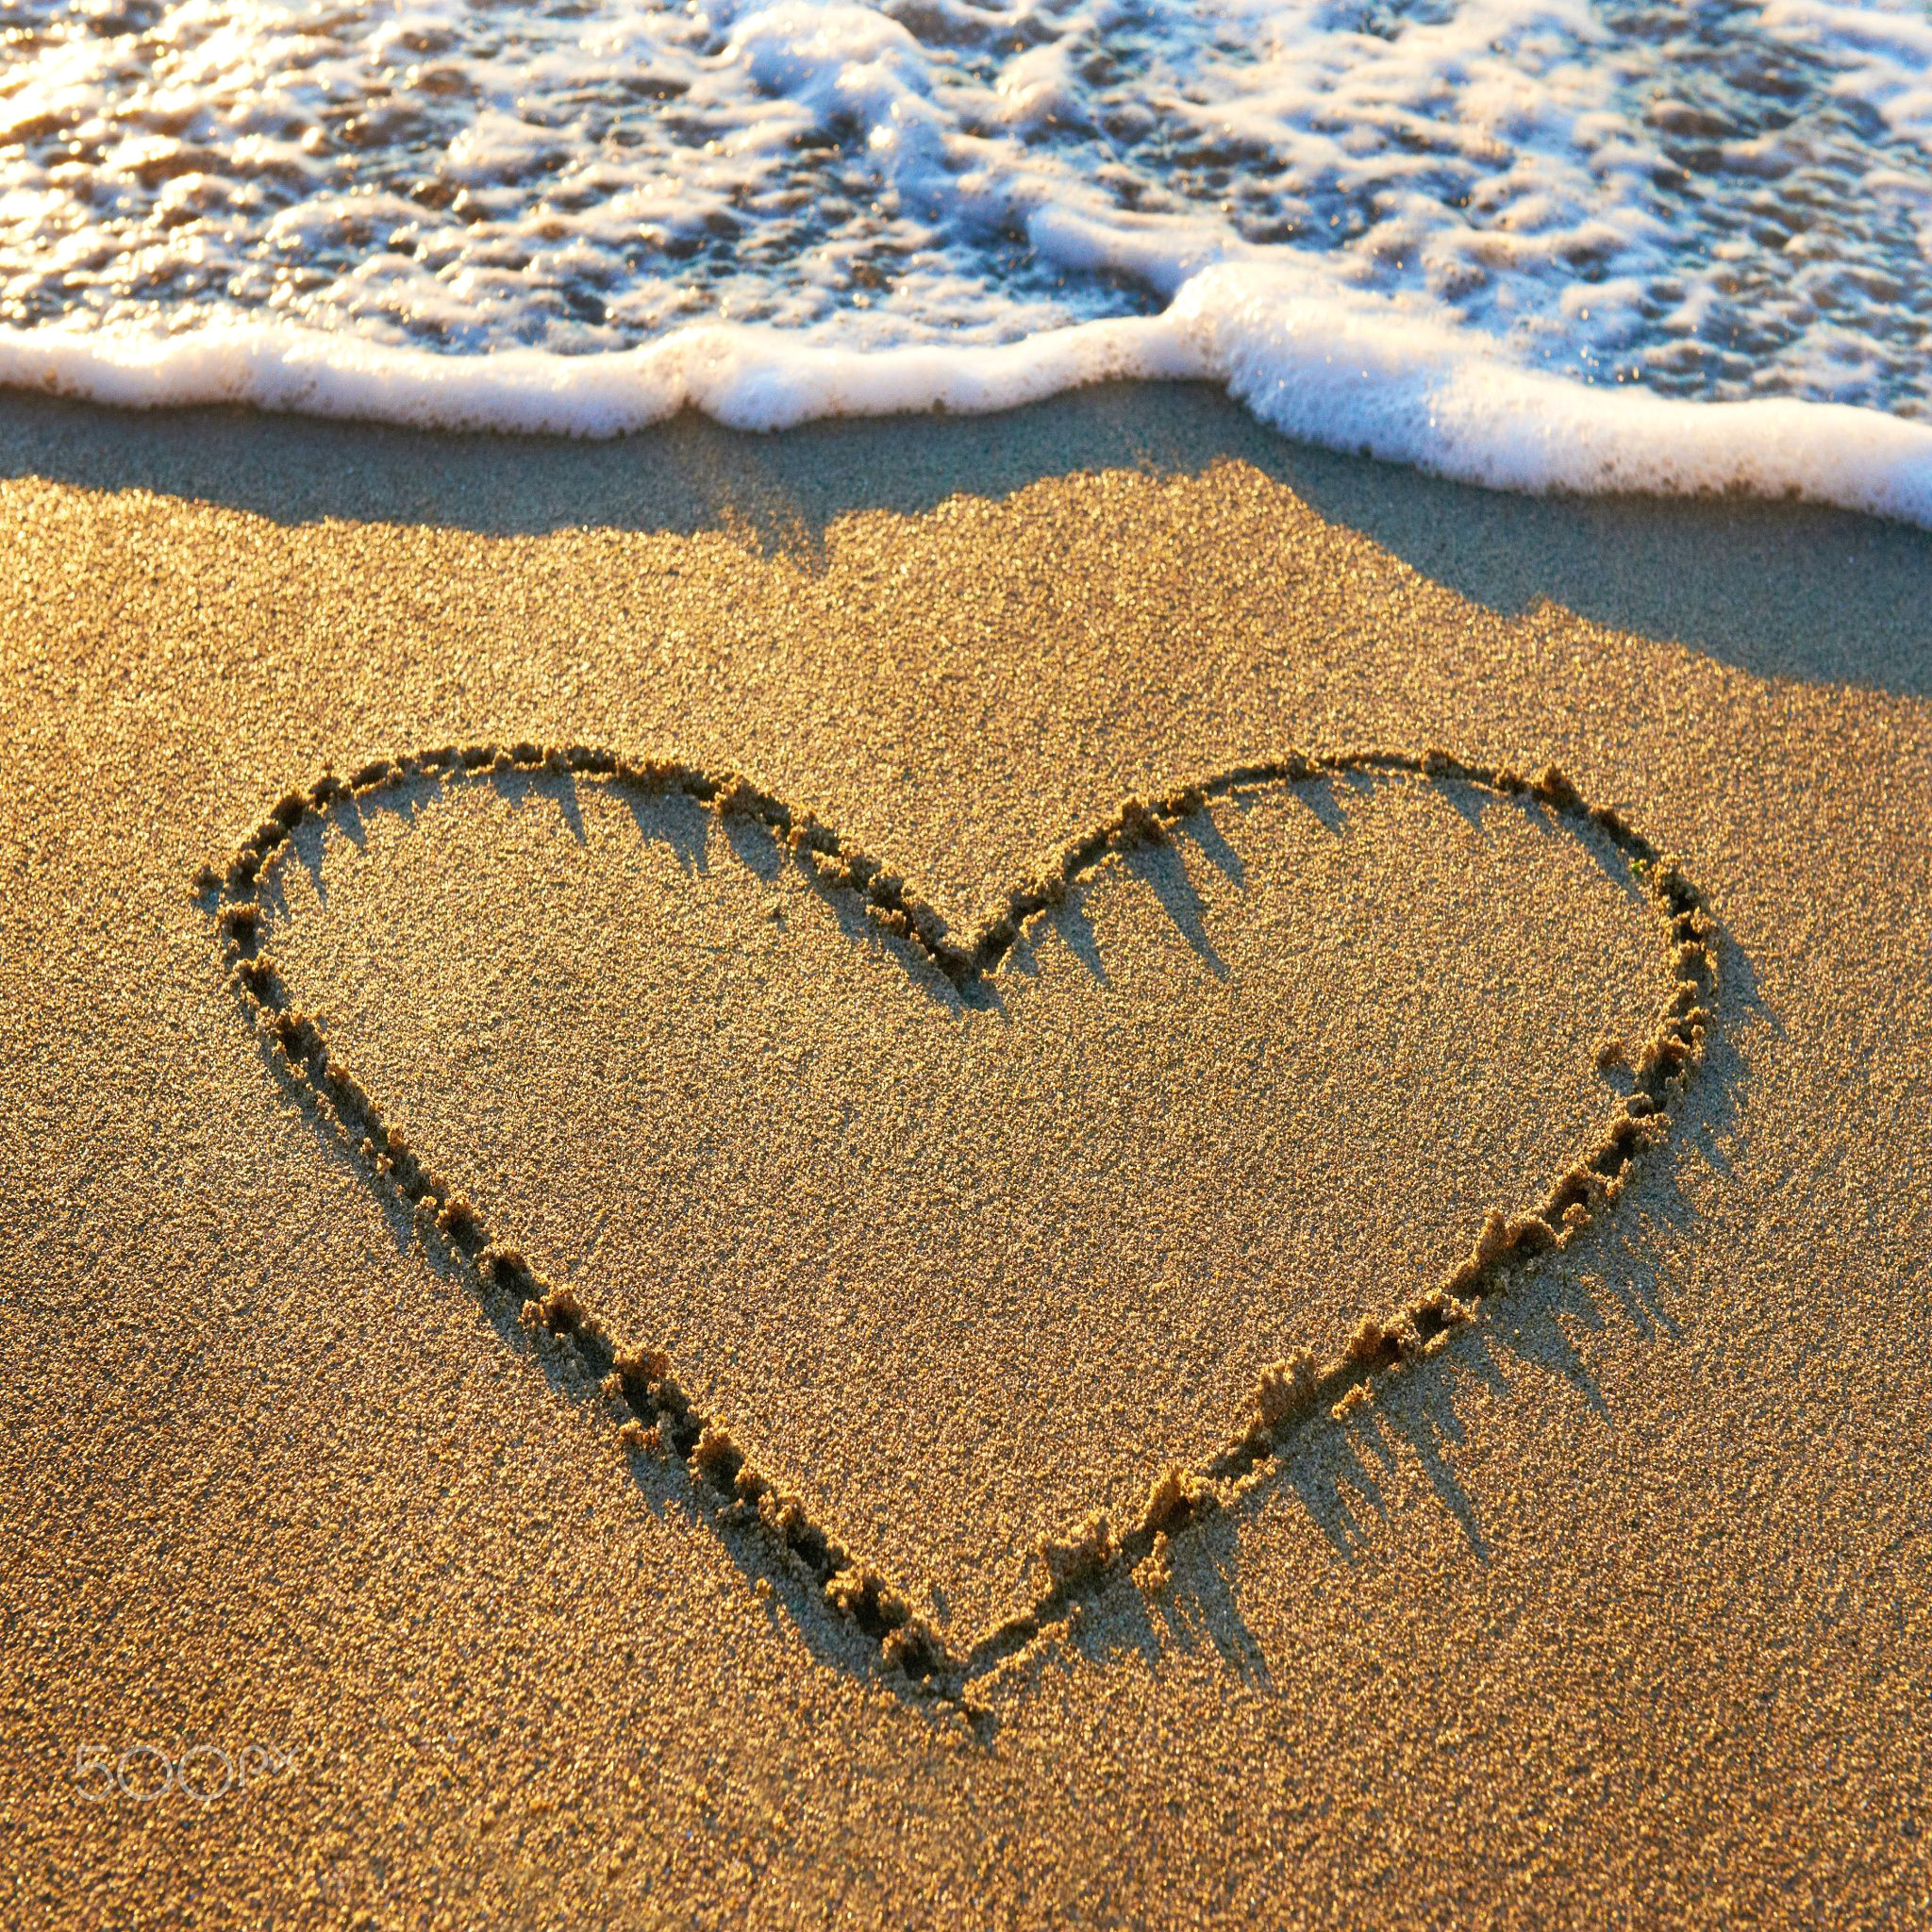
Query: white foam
[
  {"x": 1883, "y": 51},
  {"x": 1346, "y": 372}
]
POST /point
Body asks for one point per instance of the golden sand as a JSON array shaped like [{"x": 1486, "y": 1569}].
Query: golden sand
[{"x": 1032, "y": 1533}]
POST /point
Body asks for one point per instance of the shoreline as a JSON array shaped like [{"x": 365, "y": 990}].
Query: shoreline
[{"x": 1352, "y": 374}]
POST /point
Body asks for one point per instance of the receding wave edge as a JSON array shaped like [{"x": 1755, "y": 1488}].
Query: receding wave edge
[{"x": 1334, "y": 368}]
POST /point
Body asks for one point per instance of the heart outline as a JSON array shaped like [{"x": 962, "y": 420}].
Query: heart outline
[{"x": 643, "y": 1384}]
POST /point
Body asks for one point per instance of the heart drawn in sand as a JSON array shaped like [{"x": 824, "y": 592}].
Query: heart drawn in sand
[{"x": 1249, "y": 1097}]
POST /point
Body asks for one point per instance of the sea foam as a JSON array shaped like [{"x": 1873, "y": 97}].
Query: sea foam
[{"x": 1534, "y": 244}]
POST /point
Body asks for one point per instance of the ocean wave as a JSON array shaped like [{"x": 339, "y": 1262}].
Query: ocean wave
[{"x": 1577, "y": 244}]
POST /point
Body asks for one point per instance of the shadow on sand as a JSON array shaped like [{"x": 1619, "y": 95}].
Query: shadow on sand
[{"x": 1777, "y": 589}]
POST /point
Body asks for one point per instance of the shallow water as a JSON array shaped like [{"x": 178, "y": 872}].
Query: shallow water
[{"x": 1717, "y": 202}]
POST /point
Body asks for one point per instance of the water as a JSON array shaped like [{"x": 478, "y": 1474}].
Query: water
[{"x": 1532, "y": 243}]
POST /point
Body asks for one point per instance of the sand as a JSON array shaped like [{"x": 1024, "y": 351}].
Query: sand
[{"x": 1608, "y": 1608}]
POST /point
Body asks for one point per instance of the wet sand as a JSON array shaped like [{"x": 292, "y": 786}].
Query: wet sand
[{"x": 1608, "y": 1608}]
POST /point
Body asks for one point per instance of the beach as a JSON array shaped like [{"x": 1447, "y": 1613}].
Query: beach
[{"x": 1609, "y": 1609}]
